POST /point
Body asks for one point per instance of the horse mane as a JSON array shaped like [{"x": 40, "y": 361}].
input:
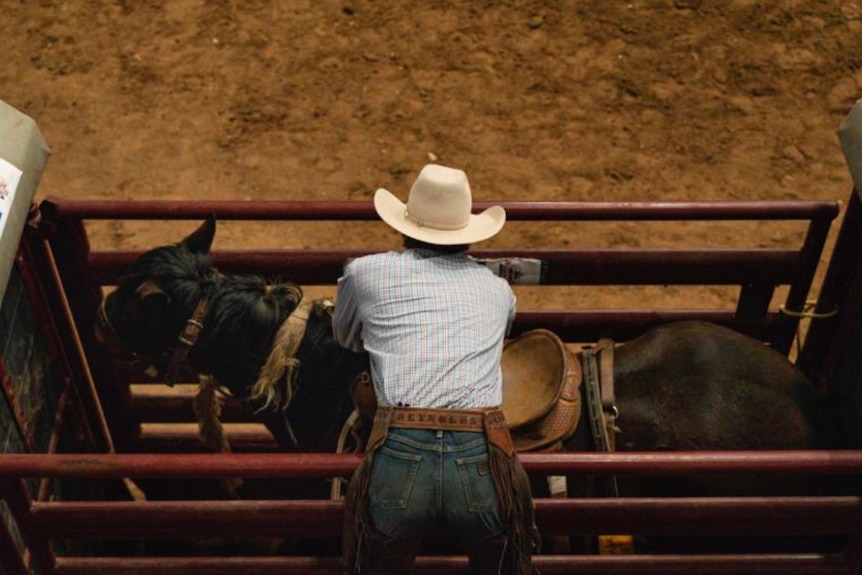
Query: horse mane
[
  {"x": 185, "y": 275},
  {"x": 246, "y": 303},
  {"x": 245, "y": 311},
  {"x": 245, "y": 314}
]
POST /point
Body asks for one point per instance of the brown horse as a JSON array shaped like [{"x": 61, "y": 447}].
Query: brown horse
[{"x": 679, "y": 387}]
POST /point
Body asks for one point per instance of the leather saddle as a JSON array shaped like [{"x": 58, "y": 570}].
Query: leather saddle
[{"x": 541, "y": 391}]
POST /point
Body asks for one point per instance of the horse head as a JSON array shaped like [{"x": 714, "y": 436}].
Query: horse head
[
  {"x": 173, "y": 308},
  {"x": 156, "y": 296}
]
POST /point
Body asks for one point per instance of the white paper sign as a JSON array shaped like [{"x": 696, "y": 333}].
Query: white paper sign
[
  {"x": 525, "y": 271},
  {"x": 9, "y": 178},
  {"x": 850, "y": 134}
]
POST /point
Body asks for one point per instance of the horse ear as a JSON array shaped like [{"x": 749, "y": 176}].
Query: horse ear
[
  {"x": 152, "y": 297},
  {"x": 201, "y": 240}
]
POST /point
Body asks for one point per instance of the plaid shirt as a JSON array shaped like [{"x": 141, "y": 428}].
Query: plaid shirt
[{"x": 433, "y": 325}]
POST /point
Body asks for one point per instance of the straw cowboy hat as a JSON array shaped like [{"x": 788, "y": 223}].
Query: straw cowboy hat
[{"x": 438, "y": 210}]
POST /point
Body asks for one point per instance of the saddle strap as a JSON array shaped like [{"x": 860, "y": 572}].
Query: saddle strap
[
  {"x": 605, "y": 352},
  {"x": 594, "y": 401},
  {"x": 605, "y": 349},
  {"x": 602, "y": 424}
]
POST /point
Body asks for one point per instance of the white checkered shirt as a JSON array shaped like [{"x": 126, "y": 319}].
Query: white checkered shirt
[{"x": 433, "y": 325}]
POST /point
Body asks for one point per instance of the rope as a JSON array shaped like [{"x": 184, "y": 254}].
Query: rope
[
  {"x": 207, "y": 409},
  {"x": 807, "y": 312},
  {"x": 346, "y": 430},
  {"x": 282, "y": 362}
]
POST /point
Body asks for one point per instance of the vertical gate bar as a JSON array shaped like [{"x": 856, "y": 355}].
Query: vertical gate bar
[
  {"x": 809, "y": 258},
  {"x": 33, "y": 277},
  {"x": 56, "y": 322},
  {"x": 818, "y": 356},
  {"x": 754, "y": 300},
  {"x": 62, "y": 406},
  {"x": 15, "y": 407},
  {"x": 66, "y": 250},
  {"x": 853, "y": 554},
  {"x": 11, "y": 561},
  {"x": 87, "y": 388},
  {"x": 17, "y": 496}
]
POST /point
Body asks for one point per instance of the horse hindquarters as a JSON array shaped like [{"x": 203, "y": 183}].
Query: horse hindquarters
[{"x": 695, "y": 386}]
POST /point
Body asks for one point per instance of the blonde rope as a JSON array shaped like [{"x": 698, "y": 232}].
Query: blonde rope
[
  {"x": 282, "y": 362},
  {"x": 207, "y": 408},
  {"x": 347, "y": 429},
  {"x": 807, "y": 312}
]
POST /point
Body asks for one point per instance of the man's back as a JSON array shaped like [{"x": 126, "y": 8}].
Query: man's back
[{"x": 434, "y": 325}]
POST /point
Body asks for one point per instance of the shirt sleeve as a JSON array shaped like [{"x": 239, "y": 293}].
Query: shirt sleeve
[
  {"x": 512, "y": 311},
  {"x": 346, "y": 322}
]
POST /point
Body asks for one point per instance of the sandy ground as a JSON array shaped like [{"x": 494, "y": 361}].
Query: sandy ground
[{"x": 592, "y": 100}]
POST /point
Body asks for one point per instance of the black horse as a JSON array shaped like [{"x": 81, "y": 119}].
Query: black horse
[
  {"x": 679, "y": 387},
  {"x": 156, "y": 300}
]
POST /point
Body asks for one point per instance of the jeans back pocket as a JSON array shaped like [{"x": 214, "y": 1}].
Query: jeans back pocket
[
  {"x": 392, "y": 476},
  {"x": 479, "y": 490}
]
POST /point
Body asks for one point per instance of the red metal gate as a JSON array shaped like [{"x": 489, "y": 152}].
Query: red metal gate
[{"x": 72, "y": 277}]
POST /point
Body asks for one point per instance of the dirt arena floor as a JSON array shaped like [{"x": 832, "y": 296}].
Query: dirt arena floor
[{"x": 591, "y": 100}]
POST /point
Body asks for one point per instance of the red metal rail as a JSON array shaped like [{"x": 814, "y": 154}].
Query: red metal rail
[
  {"x": 309, "y": 465},
  {"x": 303, "y": 519},
  {"x": 562, "y": 267},
  {"x": 797, "y": 564},
  {"x": 54, "y": 207}
]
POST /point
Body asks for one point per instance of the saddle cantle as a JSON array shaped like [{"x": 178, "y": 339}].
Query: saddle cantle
[{"x": 541, "y": 395}]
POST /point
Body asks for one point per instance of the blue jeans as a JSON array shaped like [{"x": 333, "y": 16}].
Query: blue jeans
[{"x": 422, "y": 479}]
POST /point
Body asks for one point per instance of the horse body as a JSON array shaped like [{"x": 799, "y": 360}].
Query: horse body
[{"x": 698, "y": 386}]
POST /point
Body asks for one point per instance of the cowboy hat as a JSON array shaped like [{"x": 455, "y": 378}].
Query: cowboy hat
[{"x": 438, "y": 209}]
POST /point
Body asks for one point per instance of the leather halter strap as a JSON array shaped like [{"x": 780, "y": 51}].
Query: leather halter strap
[
  {"x": 103, "y": 322},
  {"x": 599, "y": 387},
  {"x": 186, "y": 341},
  {"x": 605, "y": 349}
]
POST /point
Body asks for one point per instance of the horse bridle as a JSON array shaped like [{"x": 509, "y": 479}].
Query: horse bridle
[
  {"x": 186, "y": 340},
  {"x": 194, "y": 326},
  {"x": 189, "y": 335}
]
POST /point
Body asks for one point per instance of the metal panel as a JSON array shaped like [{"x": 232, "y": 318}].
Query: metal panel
[{"x": 22, "y": 146}]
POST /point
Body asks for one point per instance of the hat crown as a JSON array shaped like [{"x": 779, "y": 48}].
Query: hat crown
[
  {"x": 440, "y": 199},
  {"x": 439, "y": 209}
]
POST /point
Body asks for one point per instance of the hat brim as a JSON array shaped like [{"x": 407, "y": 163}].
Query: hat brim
[{"x": 480, "y": 227}]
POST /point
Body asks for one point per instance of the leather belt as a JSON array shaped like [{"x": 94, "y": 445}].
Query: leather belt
[
  {"x": 489, "y": 420},
  {"x": 448, "y": 419}
]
